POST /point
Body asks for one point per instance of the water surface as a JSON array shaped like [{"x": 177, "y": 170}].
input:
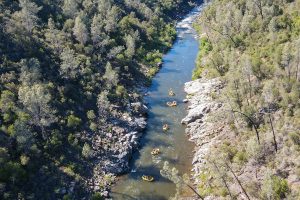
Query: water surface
[{"x": 177, "y": 68}]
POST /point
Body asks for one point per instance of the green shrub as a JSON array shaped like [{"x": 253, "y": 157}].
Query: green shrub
[
  {"x": 24, "y": 159},
  {"x": 229, "y": 151},
  {"x": 275, "y": 188},
  {"x": 90, "y": 115},
  {"x": 97, "y": 196},
  {"x": 197, "y": 72},
  {"x": 93, "y": 126},
  {"x": 73, "y": 121},
  {"x": 295, "y": 137},
  {"x": 240, "y": 157},
  {"x": 121, "y": 91},
  {"x": 152, "y": 71},
  {"x": 86, "y": 150}
]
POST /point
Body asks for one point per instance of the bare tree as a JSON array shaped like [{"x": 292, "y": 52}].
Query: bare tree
[
  {"x": 237, "y": 180},
  {"x": 253, "y": 123},
  {"x": 223, "y": 179}
]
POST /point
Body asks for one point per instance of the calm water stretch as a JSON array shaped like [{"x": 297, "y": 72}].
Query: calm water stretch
[{"x": 177, "y": 68}]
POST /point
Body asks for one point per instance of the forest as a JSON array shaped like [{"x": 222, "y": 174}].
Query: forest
[
  {"x": 68, "y": 71},
  {"x": 253, "y": 47}
]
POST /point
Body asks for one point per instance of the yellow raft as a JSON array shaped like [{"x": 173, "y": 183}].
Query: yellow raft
[
  {"x": 171, "y": 93},
  {"x": 155, "y": 152},
  {"x": 172, "y": 104},
  {"x": 148, "y": 178},
  {"x": 165, "y": 127}
]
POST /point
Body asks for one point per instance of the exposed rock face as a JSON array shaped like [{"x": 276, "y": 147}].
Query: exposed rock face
[
  {"x": 200, "y": 130},
  {"x": 112, "y": 150}
]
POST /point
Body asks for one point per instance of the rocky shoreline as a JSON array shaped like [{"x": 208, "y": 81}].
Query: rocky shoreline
[
  {"x": 199, "y": 127},
  {"x": 113, "y": 150}
]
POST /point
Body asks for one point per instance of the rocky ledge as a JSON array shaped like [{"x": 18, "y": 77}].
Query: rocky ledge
[
  {"x": 199, "y": 127},
  {"x": 112, "y": 149}
]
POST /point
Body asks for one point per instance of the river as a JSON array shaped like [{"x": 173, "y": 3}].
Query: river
[{"x": 175, "y": 148}]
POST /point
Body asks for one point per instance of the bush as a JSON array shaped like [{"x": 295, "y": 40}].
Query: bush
[
  {"x": 275, "y": 188},
  {"x": 152, "y": 71},
  {"x": 24, "y": 159},
  {"x": 90, "y": 115},
  {"x": 240, "y": 157},
  {"x": 254, "y": 149},
  {"x": 295, "y": 137},
  {"x": 73, "y": 121},
  {"x": 97, "y": 196},
  {"x": 228, "y": 150},
  {"x": 197, "y": 72},
  {"x": 121, "y": 91},
  {"x": 93, "y": 126},
  {"x": 86, "y": 150}
]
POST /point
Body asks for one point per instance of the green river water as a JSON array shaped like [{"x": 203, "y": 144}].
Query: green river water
[{"x": 177, "y": 68}]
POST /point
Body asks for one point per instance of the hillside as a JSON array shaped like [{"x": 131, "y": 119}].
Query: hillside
[
  {"x": 248, "y": 133},
  {"x": 70, "y": 73}
]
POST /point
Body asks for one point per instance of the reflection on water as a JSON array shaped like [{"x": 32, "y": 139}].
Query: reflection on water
[{"x": 177, "y": 69}]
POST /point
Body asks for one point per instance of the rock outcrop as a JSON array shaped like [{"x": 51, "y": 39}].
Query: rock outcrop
[
  {"x": 112, "y": 150},
  {"x": 199, "y": 128}
]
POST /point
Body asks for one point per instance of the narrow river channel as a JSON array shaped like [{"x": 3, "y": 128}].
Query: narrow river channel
[{"x": 175, "y": 148}]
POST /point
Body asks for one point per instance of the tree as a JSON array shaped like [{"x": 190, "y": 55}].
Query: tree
[
  {"x": 30, "y": 71},
  {"x": 269, "y": 98},
  {"x": 36, "y": 101},
  {"x": 7, "y": 101},
  {"x": 69, "y": 67},
  {"x": 237, "y": 180},
  {"x": 180, "y": 182},
  {"x": 25, "y": 18},
  {"x": 297, "y": 60},
  {"x": 97, "y": 28},
  {"x": 112, "y": 19},
  {"x": 259, "y": 4},
  {"x": 80, "y": 31},
  {"x": 73, "y": 121},
  {"x": 103, "y": 105},
  {"x": 24, "y": 136},
  {"x": 70, "y": 8},
  {"x": 55, "y": 38},
  {"x": 110, "y": 76},
  {"x": 287, "y": 59},
  {"x": 247, "y": 72},
  {"x": 87, "y": 151},
  {"x": 99, "y": 37},
  {"x": 130, "y": 46}
]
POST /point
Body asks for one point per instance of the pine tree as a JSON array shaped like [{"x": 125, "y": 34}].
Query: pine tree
[
  {"x": 69, "y": 67},
  {"x": 54, "y": 37},
  {"x": 70, "y": 8},
  {"x": 36, "y": 101},
  {"x": 111, "y": 76},
  {"x": 26, "y": 18},
  {"x": 80, "y": 31},
  {"x": 30, "y": 72}
]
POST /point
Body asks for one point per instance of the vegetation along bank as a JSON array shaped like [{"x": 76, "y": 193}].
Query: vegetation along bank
[
  {"x": 70, "y": 109},
  {"x": 245, "y": 109}
]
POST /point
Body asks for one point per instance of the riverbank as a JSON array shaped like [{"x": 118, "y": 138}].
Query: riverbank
[
  {"x": 247, "y": 130},
  {"x": 199, "y": 127}
]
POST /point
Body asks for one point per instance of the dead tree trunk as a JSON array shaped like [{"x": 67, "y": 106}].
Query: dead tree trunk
[
  {"x": 223, "y": 179},
  {"x": 252, "y": 122},
  {"x": 273, "y": 132},
  {"x": 238, "y": 181}
]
